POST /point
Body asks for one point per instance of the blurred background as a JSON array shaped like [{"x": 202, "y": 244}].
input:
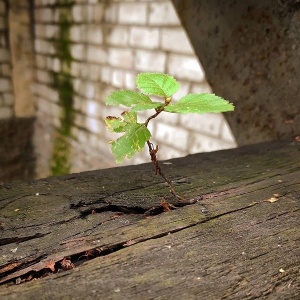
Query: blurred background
[{"x": 59, "y": 59}]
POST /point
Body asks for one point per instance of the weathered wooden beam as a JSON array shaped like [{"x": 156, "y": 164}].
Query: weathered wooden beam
[{"x": 241, "y": 241}]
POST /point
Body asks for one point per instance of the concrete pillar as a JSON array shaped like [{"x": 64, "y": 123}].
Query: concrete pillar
[{"x": 250, "y": 51}]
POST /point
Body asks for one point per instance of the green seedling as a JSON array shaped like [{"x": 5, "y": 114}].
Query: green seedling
[{"x": 137, "y": 135}]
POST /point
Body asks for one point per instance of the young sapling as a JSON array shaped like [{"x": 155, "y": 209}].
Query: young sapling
[{"x": 136, "y": 135}]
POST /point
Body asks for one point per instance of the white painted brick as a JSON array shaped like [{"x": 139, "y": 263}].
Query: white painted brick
[
  {"x": 111, "y": 110},
  {"x": 117, "y": 78},
  {"x": 49, "y": 48},
  {"x": 49, "y": 108},
  {"x": 174, "y": 136},
  {"x": 75, "y": 33},
  {"x": 89, "y": 13},
  {"x": 130, "y": 80},
  {"x": 89, "y": 90},
  {"x": 132, "y": 13},
  {"x": 56, "y": 121},
  {"x": 82, "y": 137},
  {"x": 166, "y": 152},
  {"x": 183, "y": 90},
  {"x": 98, "y": 12},
  {"x": 95, "y": 73},
  {"x": 144, "y": 37},
  {"x": 140, "y": 158},
  {"x": 78, "y": 13},
  {"x": 35, "y": 88},
  {"x": 46, "y": 15},
  {"x": 92, "y": 1},
  {"x": 42, "y": 46},
  {"x": 78, "y": 51},
  {"x": 226, "y": 133},
  {"x": 168, "y": 118},
  {"x": 209, "y": 124},
  {"x": 92, "y": 108},
  {"x": 163, "y": 14},
  {"x": 111, "y": 13},
  {"x": 144, "y": 115},
  {"x": 50, "y": 63},
  {"x": 202, "y": 87},
  {"x": 95, "y": 35},
  {"x": 55, "y": 109},
  {"x": 116, "y": 36},
  {"x": 52, "y": 95},
  {"x": 6, "y": 112},
  {"x": 106, "y": 74},
  {"x": 57, "y": 15},
  {"x": 75, "y": 69},
  {"x": 77, "y": 82},
  {"x": 56, "y": 65},
  {"x": 185, "y": 67},
  {"x": 96, "y": 54},
  {"x": 50, "y": 31},
  {"x": 176, "y": 40},
  {"x": 5, "y": 85},
  {"x": 77, "y": 102},
  {"x": 80, "y": 121},
  {"x": 122, "y": 58},
  {"x": 46, "y": 92},
  {"x": 202, "y": 143},
  {"x": 38, "y": 45},
  {"x": 43, "y": 76},
  {"x": 94, "y": 125},
  {"x": 150, "y": 61},
  {"x": 80, "y": 88}
]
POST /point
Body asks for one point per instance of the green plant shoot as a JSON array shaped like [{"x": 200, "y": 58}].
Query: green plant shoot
[{"x": 136, "y": 135}]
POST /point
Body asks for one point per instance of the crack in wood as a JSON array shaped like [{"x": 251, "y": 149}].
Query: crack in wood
[
  {"x": 7, "y": 241},
  {"x": 50, "y": 266}
]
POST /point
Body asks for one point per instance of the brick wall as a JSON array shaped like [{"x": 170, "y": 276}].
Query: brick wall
[
  {"x": 6, "y": 87},
  {"x": 105, "y": 45}
]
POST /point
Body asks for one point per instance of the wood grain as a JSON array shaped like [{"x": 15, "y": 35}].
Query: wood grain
[{"x": 241, "y": 241}]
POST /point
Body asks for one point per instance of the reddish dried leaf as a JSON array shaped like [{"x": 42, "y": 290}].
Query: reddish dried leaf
[
  {"x": 50, "y": 265},
  {"x": 66, "y": 264}
]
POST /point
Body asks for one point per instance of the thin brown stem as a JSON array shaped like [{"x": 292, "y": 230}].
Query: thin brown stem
[
  {"x": 153, "y": 116},
  {"x": 153, "y": 152},
  {"x": 158, "y": 170}
]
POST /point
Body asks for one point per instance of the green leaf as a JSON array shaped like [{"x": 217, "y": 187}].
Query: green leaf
[
  {"x": 145, "y": 106},
  {"x": 131, "y": 142},
  {"x": 157, "y": 84},
  {"x": 200, "y": 104},
  {"x": 115, "y": 124},
  {"x": 127, "y": 98},
  {"x": 129, "y": 116}
]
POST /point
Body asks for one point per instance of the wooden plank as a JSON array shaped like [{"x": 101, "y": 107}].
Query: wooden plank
[{"x": 240, "y": 241}]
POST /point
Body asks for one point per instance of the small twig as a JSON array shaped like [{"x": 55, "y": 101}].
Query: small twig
[
  {"x": 153, "y": 151},
  {"x": 153, "y": 116},
  {"x": 158, "y": 170}
]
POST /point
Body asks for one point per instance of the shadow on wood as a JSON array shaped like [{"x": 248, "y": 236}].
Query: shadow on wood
[{"x": 85, "y": 236}]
